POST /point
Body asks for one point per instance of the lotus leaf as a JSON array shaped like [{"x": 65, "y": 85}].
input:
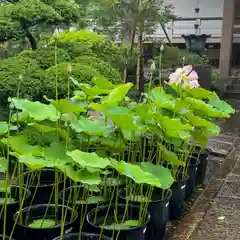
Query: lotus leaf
[
  {"x": 163, "y": 174},
  {"x": 83, "y": 176},
  {"x": 36, "y": 110},
  {"x": 85, "y": 159}
]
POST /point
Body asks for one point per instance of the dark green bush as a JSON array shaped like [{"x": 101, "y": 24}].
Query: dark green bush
[
  {"x": 104, "y": 68},
  {"x": 21, "y": 73},
  {"x": 80, "y": 72}
]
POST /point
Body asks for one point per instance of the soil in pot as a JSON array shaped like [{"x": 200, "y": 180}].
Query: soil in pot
[
  {"x": 11, "y": 197},
  {"x": 42, "y": 184},
  {"x": 82, "y": 200},
  {"x": 44, "y": 222},
  {"x": 158, "y": 209},
  {"x": 119, "y": 222},
  {"x": 177, "y": 200},
  {"x": 192, "y": 173},
  {"x": 83, "y": 236}
]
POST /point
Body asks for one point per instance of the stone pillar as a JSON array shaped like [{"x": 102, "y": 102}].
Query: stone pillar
[{"x": 227, "y": 38}]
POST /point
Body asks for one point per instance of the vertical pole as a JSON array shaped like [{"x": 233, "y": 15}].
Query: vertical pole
[{"x": 227, "y": 38}]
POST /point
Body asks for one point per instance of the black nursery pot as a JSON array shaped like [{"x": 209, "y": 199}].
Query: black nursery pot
[
  {"x": 134, "y": 233},
  {"x": 159, "y": 211},
  {"x": 177, "y": 200},
  {"x": 192, "y": 173},
  {"x": 83, "y": 236},
  {"x": 73, "y": 198},
  {"x": 44, "y": 211},
  {"x": 13, "y": 204},
  {"x": 203, "y": 162},
  {"x": 41, "y": 183}
]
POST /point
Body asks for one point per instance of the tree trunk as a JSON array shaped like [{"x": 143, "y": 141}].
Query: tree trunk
[{"x": 31, "y": 39}]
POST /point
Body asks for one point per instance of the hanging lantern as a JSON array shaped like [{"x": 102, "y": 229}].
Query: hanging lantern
[{"x": 195, "y": 43}]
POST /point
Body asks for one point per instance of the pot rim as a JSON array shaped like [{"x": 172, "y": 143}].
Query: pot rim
[
  {"x": 84, "y": 235},
  {"x": 42, "y": 185},
  {"x": 166, "y": 198},
  {"x": 78, "y": 186},
  {"x": 26, "y": 197},
  {"x": 46, "y": 206},
  {"x": 121, "y": 230}
]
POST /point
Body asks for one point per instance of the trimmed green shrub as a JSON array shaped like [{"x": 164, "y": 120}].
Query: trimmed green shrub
[
  {"x": 104, "y": 68},
  {"x": 80, "y": 72},
  {"x": 21, "y": 73}
]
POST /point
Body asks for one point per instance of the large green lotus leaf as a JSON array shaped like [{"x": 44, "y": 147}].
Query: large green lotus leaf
[
  {"x": 125, "y": 122},
  {"x": 21, "y": 147},
  {"x": 181, "y": 106},
  {"x": 169, "y": 156},
  {"x": 103, "y": 83},
  {"x": 36, "y": 110},
  {"x": 222, "y": 106},
  {"x": 57, "y": 154},
  {"x": 85, "y": 159},
  {"x": 144, "y": 110},
  {"x": 161, "y": 99},
  {"x": 5, "y": 127},
  {"x": 66, "y": 106},
  {"x": 173, "y": 127},
  {"x": 34, "y": 162},
  {"x": 42, "y": 128},
  {"x": 212, "y": 130},
  {"x": 90, "y": 127},
  {"x": 199, "y": 137},
  {"x": 20, "y": 117},
  {"x": 197, "y": 121},
  {"x": 118, "y": 94},
  {"x": 83, "y": 176},
  {"x": 116, "y": 111},
  {"x": 97, "y": 106},
  {"x": 136, "y": 173},
  {"x": 163, "y": 174},
  {"x": 3, "y": 165},
  {"x": 199, "y": 93},
  {"x": 93, "y": 91},
  {"x": 80, "y": 96},
  {"x": 201, "y": 107}
]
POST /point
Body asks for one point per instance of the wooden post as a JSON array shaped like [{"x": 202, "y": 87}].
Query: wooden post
[{"x": 227, "y": 38}]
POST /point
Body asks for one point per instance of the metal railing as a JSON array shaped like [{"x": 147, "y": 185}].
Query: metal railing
[{"x": 175, "y": 29}]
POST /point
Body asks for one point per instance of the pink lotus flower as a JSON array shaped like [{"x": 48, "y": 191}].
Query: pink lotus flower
[{"x": 185, "y": 76}]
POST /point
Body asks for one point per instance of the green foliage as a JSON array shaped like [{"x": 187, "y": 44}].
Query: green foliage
[
  {"x": 173, "y": 56},
  {"x": 17, "y": 18},
  {"x": 34, "y": 72},
  {"x": 104, "y": 68}
]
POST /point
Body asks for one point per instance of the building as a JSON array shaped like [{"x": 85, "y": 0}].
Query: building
[{"x": 221, "y": 19}]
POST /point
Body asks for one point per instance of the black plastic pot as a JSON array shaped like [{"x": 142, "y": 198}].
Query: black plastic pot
[
  {"x": 6, "y": 238},
  {"x": 134, "y": 233},
  {"x": 159, "y": 212},
  {"x": 177, "y": 200},
  {"x": 72, "y": 196},
  {"x": 16, "y": 193},
  {"x": 192, "y": 173},
  {"x": 45, "y": 189},
  {"x": 44, "y": 211},
  {"x": 84, "y": 236},
  {"x": 203, "y": 162}
]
